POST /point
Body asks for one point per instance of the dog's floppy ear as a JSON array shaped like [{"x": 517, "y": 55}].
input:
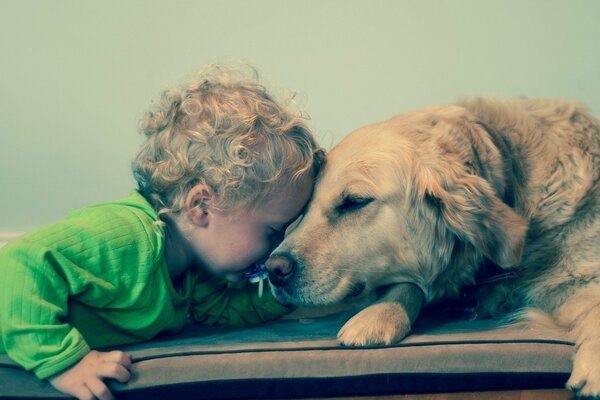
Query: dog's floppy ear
[{"x": 472, "y": 211}]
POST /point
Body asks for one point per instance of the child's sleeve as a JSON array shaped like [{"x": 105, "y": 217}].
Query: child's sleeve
[
  {"x": 33, "y": 310},
  {"x": 216, "y": 301},
  {"x": 42, "y": 273}
]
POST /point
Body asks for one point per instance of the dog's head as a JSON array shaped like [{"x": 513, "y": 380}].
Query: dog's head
[{"x": 412, "y": 199}]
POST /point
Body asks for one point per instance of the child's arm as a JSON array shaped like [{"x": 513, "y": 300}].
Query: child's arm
[
  {"x": 33, "y": 306},
  {"x": 219, "y": 302},
  {"x": 85, "y": 379},
  {"x": 34, "y": 292},
  {"x": 85, "y": 259}
]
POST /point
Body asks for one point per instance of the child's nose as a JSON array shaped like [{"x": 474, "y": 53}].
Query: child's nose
[{"x": 281, "y": 268}]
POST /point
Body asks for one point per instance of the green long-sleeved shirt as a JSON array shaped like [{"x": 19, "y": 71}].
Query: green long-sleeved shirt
[{"x": 99, "y": 278}]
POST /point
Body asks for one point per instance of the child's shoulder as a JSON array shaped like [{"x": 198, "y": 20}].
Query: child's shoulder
[
  {"x": 126, "y": 217},
  {"x": 135, "y": 209},
  {"x": 128, "y": 222},
  {"x": 97, "y": 238}
]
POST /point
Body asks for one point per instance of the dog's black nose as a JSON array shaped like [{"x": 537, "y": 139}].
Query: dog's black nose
[{"x": 281, "y": 268}]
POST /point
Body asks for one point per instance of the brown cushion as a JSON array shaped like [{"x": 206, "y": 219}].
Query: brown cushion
[{"x": 301, "y": 357}]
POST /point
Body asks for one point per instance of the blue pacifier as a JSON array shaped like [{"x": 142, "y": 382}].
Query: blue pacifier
[{"x": 257, "y": 274}]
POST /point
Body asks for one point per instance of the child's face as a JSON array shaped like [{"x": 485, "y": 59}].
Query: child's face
[{"x": 231, "y": 242}]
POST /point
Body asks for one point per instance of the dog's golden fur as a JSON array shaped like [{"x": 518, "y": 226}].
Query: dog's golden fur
[{"x": 408, "y": 210}]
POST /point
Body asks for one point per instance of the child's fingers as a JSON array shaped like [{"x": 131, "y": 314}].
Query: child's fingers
[
  {"x": 80, "y": 391},
  {"x": 113, "y": 370},
  {"x": 99, "y": 389},
  {"x": 118, "y": 357}
]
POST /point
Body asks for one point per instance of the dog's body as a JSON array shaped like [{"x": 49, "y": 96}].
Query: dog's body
[{"x": 408, "y": 210}]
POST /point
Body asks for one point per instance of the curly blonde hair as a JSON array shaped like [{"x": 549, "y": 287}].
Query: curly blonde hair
[{"x": 226, "y": 131}]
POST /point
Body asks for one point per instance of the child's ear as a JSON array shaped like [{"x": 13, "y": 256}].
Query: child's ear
[{"x": 196, "y": 204}]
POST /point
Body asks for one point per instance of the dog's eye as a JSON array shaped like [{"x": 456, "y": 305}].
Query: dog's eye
[{"x": 353, "y": 203}]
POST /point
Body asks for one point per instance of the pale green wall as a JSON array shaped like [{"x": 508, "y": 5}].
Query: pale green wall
[{"x": 75, "y": 76}]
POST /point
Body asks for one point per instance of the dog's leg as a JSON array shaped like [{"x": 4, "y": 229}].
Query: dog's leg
[
  {"x": 582, "y": 314},
  {"x": 386, "y": 321}
]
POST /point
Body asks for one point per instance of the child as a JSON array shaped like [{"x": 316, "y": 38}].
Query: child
[{"x": 223, "y": 171}]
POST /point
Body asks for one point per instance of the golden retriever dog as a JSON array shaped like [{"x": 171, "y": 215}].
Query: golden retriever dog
[{"x": 408, "y": 211}]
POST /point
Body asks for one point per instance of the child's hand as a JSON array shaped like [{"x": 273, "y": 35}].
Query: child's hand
[{"x": 84, "y": 380}]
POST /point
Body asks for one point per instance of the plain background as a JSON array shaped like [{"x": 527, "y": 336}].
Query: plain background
[{"x": 76, "y": 76}]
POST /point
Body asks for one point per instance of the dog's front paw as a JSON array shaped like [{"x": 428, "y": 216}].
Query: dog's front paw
[
  {"x": 585, "y": 378},
  {"x": 379, "y": 324}
]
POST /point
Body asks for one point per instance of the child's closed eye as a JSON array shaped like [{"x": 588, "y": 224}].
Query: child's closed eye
[
  {"x": 293, "y": 224},
  {"x": 277, "y": 232}
]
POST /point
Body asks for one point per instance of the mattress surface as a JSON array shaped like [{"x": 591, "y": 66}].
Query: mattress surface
[{"x": 300, "y": 357}]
